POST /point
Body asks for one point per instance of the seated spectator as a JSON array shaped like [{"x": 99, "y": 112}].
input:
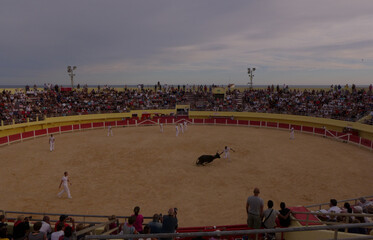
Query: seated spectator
[
  {"x": 139, "y": 219},
  {"x": 2, "y": 221},
  {"x": 284, "y": 216},
  {"x": 58, "y": 233},
  {"x": 155, "y": 225},
  {"x": 347, "y": 209},
  {"x": 21, "y": 227},
  {"x": 333, "y": 209},
  {"x": 68, "y": 233},
  {"x": 112, "y": 225},
  {"x": 4, "y": 233},
  {"x": 36, "y": 234},
  {"x": 357, "y": 230},
  {"x": 46, "y": 226},
  {"x": 128, "y": 228},
  {"x": 147, "y": 231},
  {"x": 269, "y": 220},
  {"x": 63, "y": 219},
  {"x": 366, "y": 205}
]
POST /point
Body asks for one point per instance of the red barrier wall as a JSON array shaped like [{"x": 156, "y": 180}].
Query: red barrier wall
[
  {"x": 67, "y": 128},
  {"x": 3, "y": 140},
  {"x": 53, "y": 130},
  {"x": 98, "y": 124},
  {"x": 27, "y": 134},
  {"x": 40, "y": 132},
  {"x": 272, "y": 124},
  {"x": 14, "y": 137}
]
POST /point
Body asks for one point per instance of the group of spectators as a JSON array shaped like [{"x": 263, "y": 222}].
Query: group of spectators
[
  {"x": 343, "y": 103},
  {"x": 135, "y": 224},
  {"x": 65, "y": 226},
  {"x": 363, "y": 206},
  {"x": 257, "y": 217}
]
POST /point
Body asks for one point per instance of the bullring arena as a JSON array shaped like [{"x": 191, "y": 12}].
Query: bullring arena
[{"x": 140, "y": 166}]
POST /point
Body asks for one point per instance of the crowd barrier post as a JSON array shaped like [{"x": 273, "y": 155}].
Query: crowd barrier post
[
  {"x": 214, "y": 121},
  {"x": 116, "y": 123},
  {"x": 59, "y": 129},
  {"x": 34, "y": 134},
  {"x": 359, "y": 141},
  {"x": 47, "y": 131},
  {"x": 203, "y": 122},
  {"x": 21, "y": 137},
  {"x": 8, "y": 139}
]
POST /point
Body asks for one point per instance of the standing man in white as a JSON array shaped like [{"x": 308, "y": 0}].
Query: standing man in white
[
  {"x": 185, "y": 125},
  {"x": 161, "y": 127},
  {"x": 177, "y": 130},
  {"x": 182, "y": 127},
  {"x": 109, "y": 131},
  {"x": 65, "y": 183},
  {"x": 51, "y": 143},
  {"x": 292, "y": 134},
  {"x": 226, "y": 152}
]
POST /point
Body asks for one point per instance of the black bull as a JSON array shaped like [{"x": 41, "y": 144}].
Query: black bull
[{"x": 202, "y": 160}]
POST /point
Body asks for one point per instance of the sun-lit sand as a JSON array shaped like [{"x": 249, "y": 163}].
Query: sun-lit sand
[{"x": 156, "y": 171}]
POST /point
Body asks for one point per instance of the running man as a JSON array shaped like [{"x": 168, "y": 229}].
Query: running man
[
  {"x": 292, "y": 134},
  {"x": 51, "y": 143},
  {"x": 226, "y": 152},
  {"x": 182, "y": 128},
  {"x": 65, "y": 183},
  {"x": 109, "y": 131},
  {"x": 185, "y": 125}
]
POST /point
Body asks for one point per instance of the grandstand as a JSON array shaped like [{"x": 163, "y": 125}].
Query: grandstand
[{"x": 259, "y": 138}]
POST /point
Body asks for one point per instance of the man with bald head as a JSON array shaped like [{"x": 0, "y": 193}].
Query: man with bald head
[
  {"x": 254, "y": 210},
  {"x": 170, "y": 223}
]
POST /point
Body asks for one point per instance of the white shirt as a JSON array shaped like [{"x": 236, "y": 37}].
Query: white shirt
[
  {"x": 51, "y": 140},
  {"x": 65, "y": 180},
  {"x": 57, "y": 235},
  {"x": 45, "y": 227}
]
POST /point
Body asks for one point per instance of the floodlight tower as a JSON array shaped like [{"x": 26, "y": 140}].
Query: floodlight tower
[
  {"x": 70, "y": 70},
  {"x": 251, "y": 75}
]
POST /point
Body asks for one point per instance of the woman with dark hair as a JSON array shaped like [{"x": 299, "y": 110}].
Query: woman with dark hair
[
  {"x": 284, "y": 215},
  {"x": 139, "y": 219}
]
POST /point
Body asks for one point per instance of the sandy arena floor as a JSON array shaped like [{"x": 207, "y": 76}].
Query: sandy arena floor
[{"x": 141, "y": 166}]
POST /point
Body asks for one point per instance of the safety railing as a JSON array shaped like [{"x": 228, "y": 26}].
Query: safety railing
[
  {"x": 254, "y": 232},
  {"x": 81, "y": 218},
  {"x": 354, "y": 200}
]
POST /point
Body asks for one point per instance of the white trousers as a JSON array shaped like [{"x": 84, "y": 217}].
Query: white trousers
[
  {"x": 65, "y": 189},
  {"x": 51, "y": 146},
  {"x": 110, "y": 132}
]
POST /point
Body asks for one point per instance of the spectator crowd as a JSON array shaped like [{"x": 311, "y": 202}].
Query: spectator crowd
[{"x": 342, "y": 103}]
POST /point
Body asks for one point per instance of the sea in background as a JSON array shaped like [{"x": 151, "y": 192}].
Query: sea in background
[{"x": 152, "y": 86}]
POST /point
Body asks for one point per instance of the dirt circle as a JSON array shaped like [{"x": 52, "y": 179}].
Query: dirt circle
[{"x": 140, "y": 166}]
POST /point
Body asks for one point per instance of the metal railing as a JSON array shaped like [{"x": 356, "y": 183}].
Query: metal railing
[
  {"x": 340, "y": 201},
  {"x": 255, "y": 232}
]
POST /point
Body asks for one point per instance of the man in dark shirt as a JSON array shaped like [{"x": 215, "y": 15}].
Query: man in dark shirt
[
  {"x": 170, "y": 223},
  {"x": 21, "y": 226}
]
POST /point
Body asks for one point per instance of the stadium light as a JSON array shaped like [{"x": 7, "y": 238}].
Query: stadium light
[
  {"x": 70, "y": 71},
  {"x": 251, "y": 75}
]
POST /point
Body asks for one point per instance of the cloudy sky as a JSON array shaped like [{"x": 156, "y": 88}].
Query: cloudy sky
[{"x": 186, "y": 41}]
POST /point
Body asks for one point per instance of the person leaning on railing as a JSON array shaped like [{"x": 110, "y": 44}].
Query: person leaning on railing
[{"x": 284, "y": 216}]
